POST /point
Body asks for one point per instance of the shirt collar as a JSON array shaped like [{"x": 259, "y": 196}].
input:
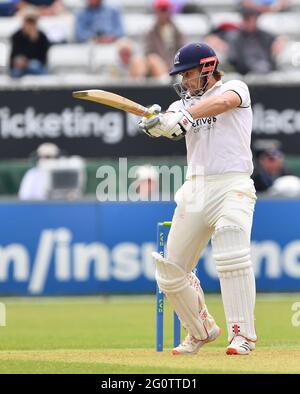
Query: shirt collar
[{"x": 218, "y": 83}]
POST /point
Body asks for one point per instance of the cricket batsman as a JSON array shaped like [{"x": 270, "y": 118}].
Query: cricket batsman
[{"x": 216, "y": 201}]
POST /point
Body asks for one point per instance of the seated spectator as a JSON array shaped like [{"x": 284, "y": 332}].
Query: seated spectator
[
  {"x": 270, "y": 166},
  {"x": 9, "y": 7},
  {"x": 44, "y": 7},
  {"x": 131, "y": 64},
  {"x": 219, "y": 39},
  {"x": 53, "y": 177},
  {"x": 34, "y": 183},
  {"x": 98, "y": 22},
  {"x": 163, "y": 40},
  {"x": 266, "y": 5},
  {"x": 29, "y": 48},
  {"x": 252, "y": 49}
]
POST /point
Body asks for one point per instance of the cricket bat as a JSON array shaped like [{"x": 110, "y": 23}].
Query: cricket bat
[{"x": 113, "y": 100}]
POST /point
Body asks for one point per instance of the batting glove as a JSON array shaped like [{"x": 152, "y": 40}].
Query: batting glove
[
  {"x": 147, "y": 125},
  {"x": 173, "y": 125}
]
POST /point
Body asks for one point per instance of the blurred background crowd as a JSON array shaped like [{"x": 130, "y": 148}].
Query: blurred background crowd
[
  {"x": 138, "y": 39},
  {"x": 117, "y": 42}
]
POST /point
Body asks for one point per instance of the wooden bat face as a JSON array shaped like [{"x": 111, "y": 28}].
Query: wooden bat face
[{"x": 113, "y": 100}]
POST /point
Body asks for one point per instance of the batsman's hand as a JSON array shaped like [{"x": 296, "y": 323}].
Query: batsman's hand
[
  {"x": 147, "y": 125},
  {"x": 173, "y": 125}
]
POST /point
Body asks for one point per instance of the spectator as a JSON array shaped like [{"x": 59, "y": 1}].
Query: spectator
[
  {"x": 131, "y": 64},
  {"x": 98, "y": 22},
  {"x": 134, "y": 65},
  {"x": 44, "y": 7},
  {"x": 270, "y": 166},
  {"x": 53, "y": 176},
  {"x": 252, "y": 49},
  {"x": 9, "y": 7},
  {"x": 29, "y": 48},
  {"x": 266, "y": 5},
  {"x": 34, "y": 184},
  {"x": 219, "y": 39},
  {"x": 164, "y": 39}
]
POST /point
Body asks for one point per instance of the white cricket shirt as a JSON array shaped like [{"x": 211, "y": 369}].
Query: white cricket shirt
[{"x": 220, "y": 144}]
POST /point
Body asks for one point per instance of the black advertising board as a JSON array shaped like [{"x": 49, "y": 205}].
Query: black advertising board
[
  {"x": 30, "y": 117},
  {"x": 276, "y": 116}
]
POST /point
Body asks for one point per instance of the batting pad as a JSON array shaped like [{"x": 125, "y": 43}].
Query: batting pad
[
  {"x": 187, "y": 301},
  {"x": 231, "y": 251}
]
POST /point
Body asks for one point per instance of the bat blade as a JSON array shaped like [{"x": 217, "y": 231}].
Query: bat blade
[{"x": 112, "y": 100}]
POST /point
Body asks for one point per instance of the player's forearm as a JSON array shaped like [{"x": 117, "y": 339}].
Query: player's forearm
[{"x": 210, "y": 107}]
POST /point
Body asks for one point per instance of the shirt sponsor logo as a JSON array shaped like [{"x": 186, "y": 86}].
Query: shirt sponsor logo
[{"x": 204, "y": 124}]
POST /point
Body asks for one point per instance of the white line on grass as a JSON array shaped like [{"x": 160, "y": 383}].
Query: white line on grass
[{"x": 134, "y": 299}]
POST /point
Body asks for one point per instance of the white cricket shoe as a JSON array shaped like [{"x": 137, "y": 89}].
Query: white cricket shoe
[
  {"x": 191, "y": 345},
  {"x": 240, "y": 345}
]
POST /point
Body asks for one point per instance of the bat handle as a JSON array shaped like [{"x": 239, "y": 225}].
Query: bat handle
[
  {"x": 149, "y": 115},
  {"x": 152, "y": 111}
]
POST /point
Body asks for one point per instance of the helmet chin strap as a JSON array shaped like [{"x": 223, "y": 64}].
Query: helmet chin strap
[
  {"x": 201, "y": 90},
  {"x": 185, "y": 94}
]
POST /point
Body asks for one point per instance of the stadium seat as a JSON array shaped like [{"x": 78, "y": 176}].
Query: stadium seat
[
  {"x": 4, "y": 56},
  {"x": 289, "y": 58},
  {"x": 59, "y": 28},
  {"x": 281, "y": 23},
  {"x": 145, "y": 6},
  {"x": 73, "y": 5},
  {"x": 126, "y": 6},
  {"x": 136, "y": 25},
  {"x": 192, "y": 25},
  {"x": 8, "y": 25},
  {"x": 217, "y": 5},
  {"x": 129, "y": 6},
  {"x": 103, "y": 57},
  {"x": 70, "y": 58}
]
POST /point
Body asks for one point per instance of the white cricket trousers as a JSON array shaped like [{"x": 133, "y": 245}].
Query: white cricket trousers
[
  {"x": 220, "y": 208},
  {"x": 204, "y": 204}
]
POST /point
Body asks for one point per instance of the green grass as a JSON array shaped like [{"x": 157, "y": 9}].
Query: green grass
[{"x": 117, "y": 335}]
